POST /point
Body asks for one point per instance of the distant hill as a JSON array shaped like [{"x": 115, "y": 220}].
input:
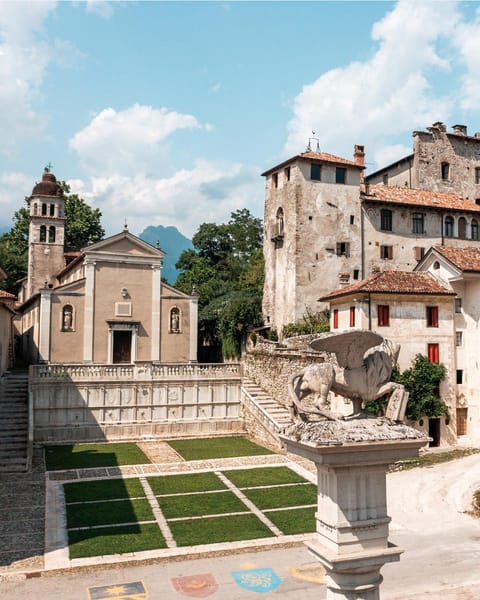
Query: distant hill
[{"x": 172, "y": 242}]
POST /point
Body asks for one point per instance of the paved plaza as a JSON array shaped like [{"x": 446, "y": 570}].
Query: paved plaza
[{"x": 430, "y": 520}]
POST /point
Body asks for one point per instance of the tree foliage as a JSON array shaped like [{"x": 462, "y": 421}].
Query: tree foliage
[
  {"x": 225, "y": 268},
  {"x": 311, "y": 323},
  {"x": 82, "y": 225},
  {"x": 422, "y": 381}
]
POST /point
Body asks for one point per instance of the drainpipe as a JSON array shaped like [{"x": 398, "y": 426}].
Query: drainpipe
[
  {"x": 369, "y": 312},
  {"x": 442, "y": 229},
  {"x": 362, "y": 239}
]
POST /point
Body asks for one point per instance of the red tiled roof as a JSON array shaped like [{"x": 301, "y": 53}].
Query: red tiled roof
[
  {"x": 319, "y": 157},
  {"x": 421, "y": 198},
  {"x": 466, "y": 259},
  {"x": 393, "y": 282},
  {"x": 4, "y": 294}
]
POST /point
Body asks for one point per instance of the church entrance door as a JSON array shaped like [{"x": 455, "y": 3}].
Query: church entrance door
[{"x": 122, "y": 346}]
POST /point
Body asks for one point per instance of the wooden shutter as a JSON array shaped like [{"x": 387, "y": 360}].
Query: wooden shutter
[
  {"x": 352, "y": 316},
  {"x": 433, "y": 353},
  {"x": 335, "y": 319}
]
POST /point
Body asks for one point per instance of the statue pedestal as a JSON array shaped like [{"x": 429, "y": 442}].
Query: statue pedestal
[{"x": 352, "y": 520}]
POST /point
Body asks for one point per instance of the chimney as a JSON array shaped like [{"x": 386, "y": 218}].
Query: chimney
[
  {"x": 344, "y": 279},
  {"x": 440, "y": 126},
  {"x": 459, "y": 129},
  {"x": 359, "y": 158}
]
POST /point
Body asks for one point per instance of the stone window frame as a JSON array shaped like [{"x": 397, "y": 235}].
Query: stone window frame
[
  {"x": 44, "y": 209},
  {"x": 386, "y": 252},
  {"x": 474, "y": 229},
  {"x": 383, "y": 315},
  {"x": 178, "y": 311},
  {"x": 418, "y": 223},
  {"x": 340, "y": 175},
  {"x": 445, "y": 171},
  {"x": 43, "y": 233},
  {"x": 431, "y": 316},
  {"x": 386, "y": 219},
  {"x": 52, "y": 233},
  {"x": 462, "y": 228},
  {"x": 477, "y": 175},
  {"x": 315, "y": 172},
  {"x": 63, "y": 326},
  {"x": 448, "y": 226},
  {"x": 459, "y": 339},
  {"x": 274, "y": 181}
]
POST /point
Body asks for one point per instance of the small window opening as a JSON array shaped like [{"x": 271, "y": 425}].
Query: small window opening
[
  {"x": 44, "y": 209},
  {"x": 286, "y": 173},
  {"x": 385, "y": 219},
  {"x": 275, "y": 180},
  {"x": 343, "y": 249},
  {"x": 315, "y": 172},
  {"x": 386, "y": 252},
  {"x": 356, "y": 273},
  {"x": 459, "y": 376},
  {"x": 445, "y": 170},
  {"x": 458, "y": 305},
  {"x": 43, "y": 233},
  {"x": 432, "y": 316},
  {"x": 352, "y": 219},
  {"x": 52, "y": 210},
  {"x": 340, "y": 175},
  {"x": 51, "y": 234}
]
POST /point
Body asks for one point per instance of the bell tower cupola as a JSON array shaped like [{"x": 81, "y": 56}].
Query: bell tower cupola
[{"x": 46, "y": 233}]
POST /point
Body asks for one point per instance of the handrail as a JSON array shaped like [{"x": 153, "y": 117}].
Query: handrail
[{"x": 138, "y": 371}]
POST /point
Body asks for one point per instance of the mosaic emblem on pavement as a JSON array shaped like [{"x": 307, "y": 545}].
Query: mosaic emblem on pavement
[
  {"x": 313, "y": 572},
  {"x": 195, "y": 586},
  {"x": 257, "y": 580},
  {"x": 121, "y": 591}
]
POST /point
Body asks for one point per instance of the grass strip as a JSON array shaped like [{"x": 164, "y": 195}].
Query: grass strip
[
  {"x": 201, "y": 504},
  {"x": 83, "y": 456},
  {"x": 263, "y": 476},
  {"x": 185, "y": 483},
  {"x": 218, "y": 447},
  {"x": 429, "y": 459},
  {"x": 294, "y": 521},
  {"x": 115, "y": 540},
  {"x": 279, "y": 497},
  {"x": 211, "y": 530},
  {"x": 103, "y": 489},
  {"x": 108, "y": 513}
]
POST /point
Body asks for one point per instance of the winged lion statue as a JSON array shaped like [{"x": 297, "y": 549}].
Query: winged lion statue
[{"x": 361, "y": 372}]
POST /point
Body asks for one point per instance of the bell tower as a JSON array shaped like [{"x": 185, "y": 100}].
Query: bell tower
[{"x": 46, "y": 233}]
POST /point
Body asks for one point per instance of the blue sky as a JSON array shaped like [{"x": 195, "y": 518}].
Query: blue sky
[{"x": 167, "y": 112}]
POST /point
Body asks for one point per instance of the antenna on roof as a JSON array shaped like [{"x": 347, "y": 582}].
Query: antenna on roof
[
  {"x": 125, "y": 227},
  {"x": 309, "y": 147}
]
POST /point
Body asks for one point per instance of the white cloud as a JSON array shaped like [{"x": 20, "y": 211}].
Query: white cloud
[
  {"x": 373, "y": 101},
  {"x": 467, "y": 41},
  {"x": 14, "y": 187},
  {"x": 128, "y": 140},
  {"x": 126, "y": 156},
  {"x": 103, "y": 8},
  {"x": 207, "y": 192},
  {"x": 24, "y": 57}
]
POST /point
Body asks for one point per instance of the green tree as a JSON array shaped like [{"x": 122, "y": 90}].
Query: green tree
[
  {"x": 225, "y": 268},
  {"x": 82, "y": 225},
  {"x": 422, "y": 382}
]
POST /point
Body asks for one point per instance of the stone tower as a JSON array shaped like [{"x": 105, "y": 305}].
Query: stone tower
[
  {"x": 312, "y": 239},
  {"x": 46, "y": 233}
]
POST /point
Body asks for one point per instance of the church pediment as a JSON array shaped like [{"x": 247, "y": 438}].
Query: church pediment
[{"x": 125, "y": 244}]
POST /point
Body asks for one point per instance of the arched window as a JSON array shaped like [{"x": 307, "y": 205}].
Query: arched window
[
  {"x": 51, "y": 234},
  {"x": 436, "y": 265},
  {"x": 462, "y": 228},
  {"x": 280, "y": 222},
  {"x": 474, "y": 230},
  {"x": 386, "y": 219},
  {"x": 67, "y": 318},
  {"x": 448, "y": 226},
  {"x": 43, "y": 233},
  {"x": 175, "y": 320},
  {"x": 35, "y": 208},
  {"x": 44, "y": 209},
  {"x": 52, "y": 210}
]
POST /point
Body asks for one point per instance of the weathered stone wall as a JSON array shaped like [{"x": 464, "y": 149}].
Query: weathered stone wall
[
  {"x": 272, "y": 370},
  {"x": 88, "y": 403}
]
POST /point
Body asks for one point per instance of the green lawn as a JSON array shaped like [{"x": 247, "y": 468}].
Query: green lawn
[
  {"x": 263, "y": 476},
  {"x": 294, "y": 521},
  {"x": 219, "y": 447},
  {"x": 103, "y": 489},
  {"x": 184, "y": 484},
  {"x": 82, "y": 456},
  {"x": 195, "y": 505},
  {"x": 278, "y": 497},
  {"x": 113, "y": 540},
  {"x": 218, "y": 529},
  {"x": 108, "y": 513}
]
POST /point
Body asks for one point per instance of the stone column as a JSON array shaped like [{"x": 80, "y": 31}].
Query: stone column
[
  {"x": 156, "y": 312},
  {"x": 89, "y": 311},
  {"x": 352, "y": 521},
  {"x": 193, "y": 329},
  {"x": 45, "y": 324}
]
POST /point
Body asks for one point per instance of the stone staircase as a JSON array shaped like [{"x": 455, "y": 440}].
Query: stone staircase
[
  {"x": 14, "y": 422},
  {"x": 273, "y": 415}
]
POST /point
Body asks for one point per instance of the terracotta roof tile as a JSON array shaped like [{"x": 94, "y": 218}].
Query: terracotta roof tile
[
  {"x": 393, "y": 282},
  {"x": 318, "y": 156},
  {"x": 422, "y": 198},
  {"x": 466, "y": 259}
]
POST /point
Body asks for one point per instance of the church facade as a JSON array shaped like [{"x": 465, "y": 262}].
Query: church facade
[{"x": 106, "y": 304}]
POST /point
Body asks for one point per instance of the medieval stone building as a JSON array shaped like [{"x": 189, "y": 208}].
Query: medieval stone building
[
  {"x": 325, "y": 227},
  {"x": 103, "y": 304}
]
